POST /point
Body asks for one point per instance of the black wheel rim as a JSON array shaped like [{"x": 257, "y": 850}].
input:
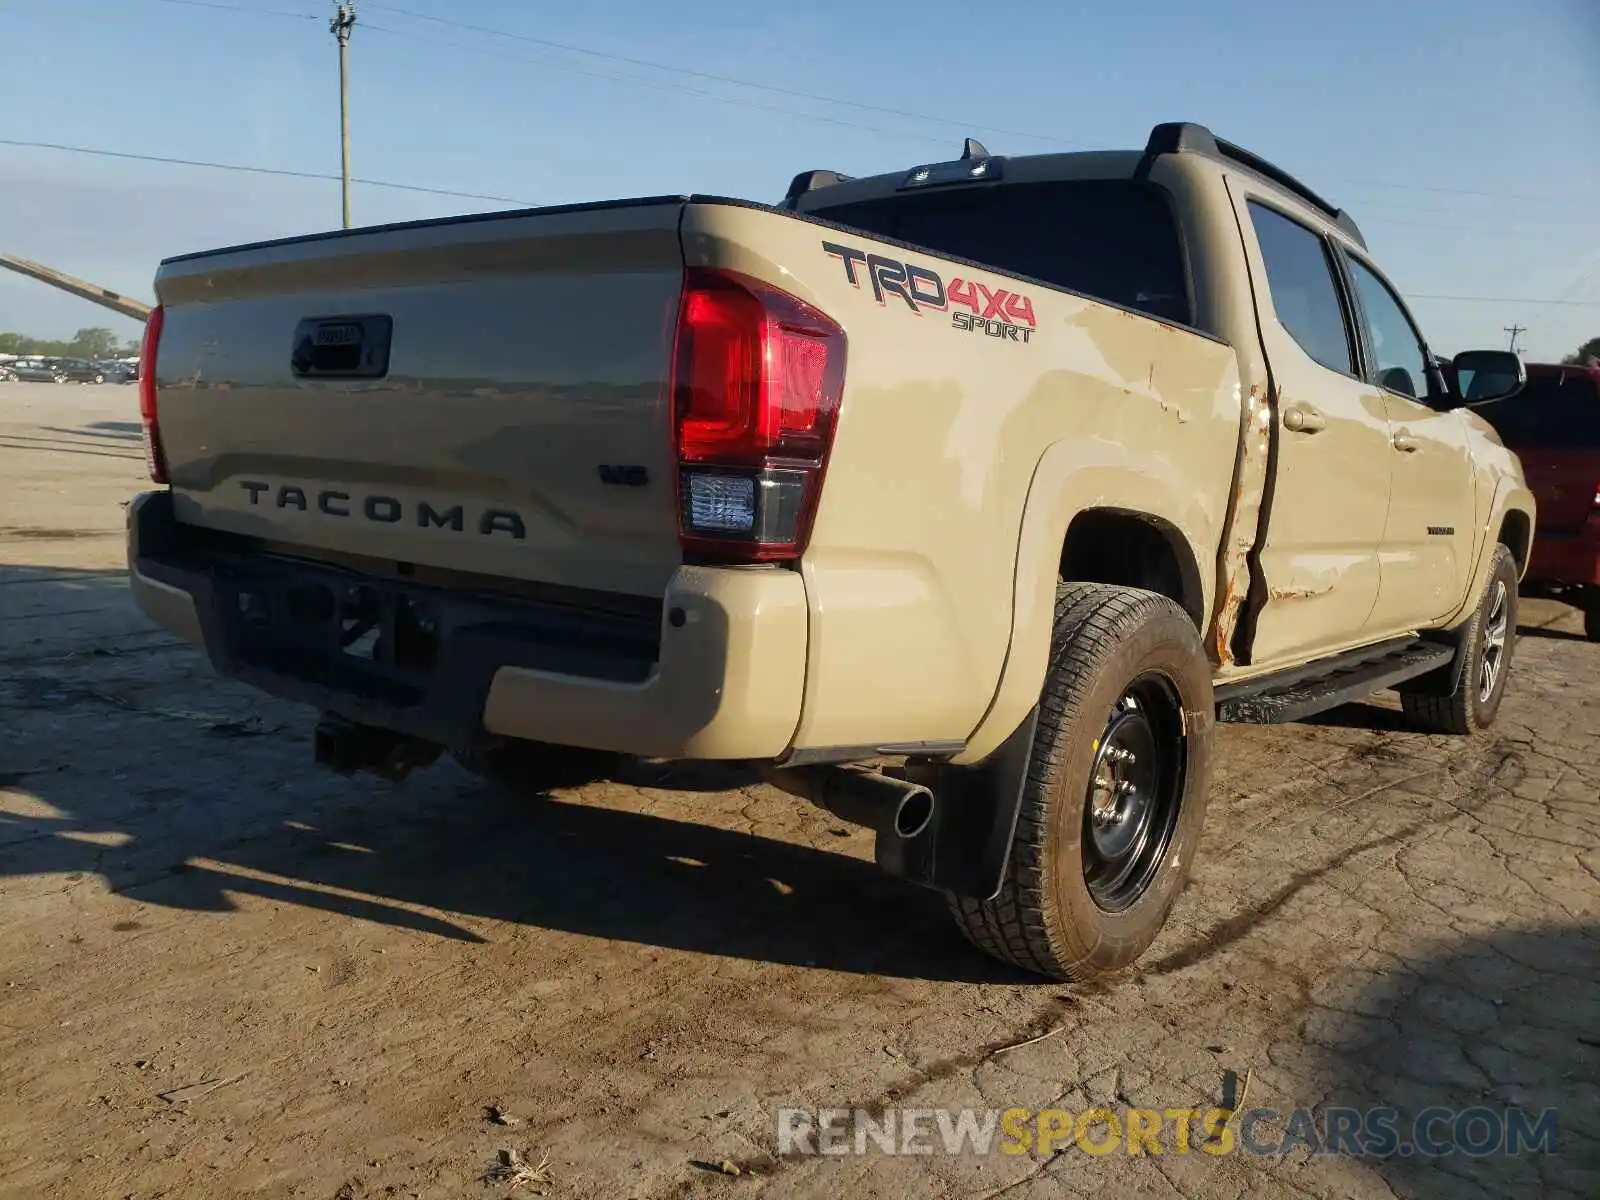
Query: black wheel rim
[{"x": 1130, "y": 808}]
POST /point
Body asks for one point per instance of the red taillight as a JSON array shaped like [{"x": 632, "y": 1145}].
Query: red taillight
[
  {"x": 155, "y": 454},
  {"x": 757, "y": 379}
]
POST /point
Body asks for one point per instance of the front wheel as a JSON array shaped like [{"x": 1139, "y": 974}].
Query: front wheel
[
  {"x": 1115, "y": 793},
  {"x": 1489, "y": 637}
]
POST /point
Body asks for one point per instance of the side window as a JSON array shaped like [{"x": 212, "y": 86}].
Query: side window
[
  {"x": 1396, "y": 347},
  {"x": 1300, "y": 276}
]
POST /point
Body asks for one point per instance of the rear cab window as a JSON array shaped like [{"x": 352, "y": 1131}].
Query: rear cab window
[
  {"x": 1112, "y": 239},
  {"x": 1555, "y": 410}
]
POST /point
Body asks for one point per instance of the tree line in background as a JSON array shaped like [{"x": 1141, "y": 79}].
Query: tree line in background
[
  {"x": 1586, "y": 353},
  {"x": 95, "y": 343}
]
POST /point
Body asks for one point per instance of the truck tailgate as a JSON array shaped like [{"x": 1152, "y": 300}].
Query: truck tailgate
[{"x": 519, "y": 426}]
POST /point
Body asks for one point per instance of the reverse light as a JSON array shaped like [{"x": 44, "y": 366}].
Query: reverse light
[
  {"x": 155, "y": 454},
  {"x": 757, "y": 379}
]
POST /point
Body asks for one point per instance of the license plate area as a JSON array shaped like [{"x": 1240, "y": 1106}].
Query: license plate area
[
  {"x": 388, "y": 629},
  {"x": 342, "y": 347},
  {"x": 331, "y": 629}
]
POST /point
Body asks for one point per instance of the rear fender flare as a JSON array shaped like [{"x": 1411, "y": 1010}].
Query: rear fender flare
[{"x": 1072, "y": 477}]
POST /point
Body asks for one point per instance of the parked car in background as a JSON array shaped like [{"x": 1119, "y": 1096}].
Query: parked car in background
[
  {"x": 118, "y": 372},
  {"x": 1553, "y": 424},
  {"x": 38, "y": 370},
  {"x": 82, "y": 370}
]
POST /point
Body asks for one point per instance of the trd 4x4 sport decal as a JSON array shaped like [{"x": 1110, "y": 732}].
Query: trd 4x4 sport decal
[{"x": 997, "y": 312}]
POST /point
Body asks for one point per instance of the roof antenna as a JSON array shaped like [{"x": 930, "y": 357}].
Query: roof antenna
[{"x": 974, "y": 149}]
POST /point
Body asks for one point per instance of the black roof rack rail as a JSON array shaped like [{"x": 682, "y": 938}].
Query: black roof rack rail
[
  {"x": 1185, "y": 137},
  {"x": 810, "y": 181}
]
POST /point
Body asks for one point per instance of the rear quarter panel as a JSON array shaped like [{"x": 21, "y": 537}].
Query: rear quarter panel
[{"x": 945, "y": 438}]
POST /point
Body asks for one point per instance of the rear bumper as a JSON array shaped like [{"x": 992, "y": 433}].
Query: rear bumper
[
  {"x": 715, "y": 670},
  {"x": 1570, "y": 559}
]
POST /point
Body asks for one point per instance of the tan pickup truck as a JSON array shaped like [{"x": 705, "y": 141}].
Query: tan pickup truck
[{"x": 1015, "y": 472}]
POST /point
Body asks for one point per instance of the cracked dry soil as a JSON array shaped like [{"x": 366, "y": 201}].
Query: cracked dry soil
[{"x": 641, "y": 971}]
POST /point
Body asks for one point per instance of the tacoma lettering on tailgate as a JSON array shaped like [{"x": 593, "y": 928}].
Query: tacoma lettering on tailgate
[
  {"x": 383, "y": 510},
  {"x": 995, "y": 312}
]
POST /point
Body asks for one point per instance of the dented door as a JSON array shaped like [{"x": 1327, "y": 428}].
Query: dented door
[{"x": 1318, "y": 557}]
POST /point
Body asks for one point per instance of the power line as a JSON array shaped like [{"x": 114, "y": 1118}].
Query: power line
[
  {"x": 714, "y": 77},
  {"x": 659, "y": 85},
  {"x": 240, "y": 8},
  {"x": 1503, "y": 231},
  {"x": 217, "y": 166},
  {"x": 1448, "y": 191},
  {"x": 1502, "y": 300},
  {"x": 734, "y": 81}
]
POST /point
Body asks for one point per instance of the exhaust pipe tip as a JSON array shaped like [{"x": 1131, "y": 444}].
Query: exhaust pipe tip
[
  {"x": 913, "y": 814},
  {"x": 892, "y": 807}
]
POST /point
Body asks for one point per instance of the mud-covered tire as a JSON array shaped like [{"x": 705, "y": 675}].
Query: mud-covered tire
[
  {"x": 529, "y": 769},
  {"x": 1108, "y": 642},
  {"x": 1491, "y": 630}
]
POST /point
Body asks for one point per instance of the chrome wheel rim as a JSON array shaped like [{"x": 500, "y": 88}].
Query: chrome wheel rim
[{"x": 1495, "y": 631}]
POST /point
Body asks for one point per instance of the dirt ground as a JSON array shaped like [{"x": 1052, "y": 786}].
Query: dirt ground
[{"x": 641, "y": 972}]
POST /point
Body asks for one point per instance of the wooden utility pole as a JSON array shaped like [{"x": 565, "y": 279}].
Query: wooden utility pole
[
  {"x": 1515, "y": 331},
  {"x": 344, "y": 20}
]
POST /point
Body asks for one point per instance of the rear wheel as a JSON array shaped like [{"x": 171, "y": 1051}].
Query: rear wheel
[
  {"x": 1490, "y": 635},
  {"x": 1115, "y": 793},
  {"x": 1591, "y": 617}
]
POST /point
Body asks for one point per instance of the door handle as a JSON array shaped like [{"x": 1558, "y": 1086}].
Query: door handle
[
  {"x": 1405, "y": 442},
  {"x": 1303, "y": 420}
]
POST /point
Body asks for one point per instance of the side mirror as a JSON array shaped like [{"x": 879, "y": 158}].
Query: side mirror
[{"x": 1482, "y": 376}]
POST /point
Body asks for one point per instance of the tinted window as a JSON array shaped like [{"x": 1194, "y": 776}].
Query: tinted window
[
  {"x": 1112, "y": 239},
  {"x": 1396, "y": 348},
  {"x": 1551, "y": 411},
  {"x": 1300, "y": 277}
]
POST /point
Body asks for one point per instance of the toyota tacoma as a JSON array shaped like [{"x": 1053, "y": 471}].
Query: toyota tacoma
[{"x": 962, "y": 500}]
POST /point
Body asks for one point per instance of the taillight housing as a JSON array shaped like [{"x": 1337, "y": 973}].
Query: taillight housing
[
  {"x": 155, "y": 454},
  {"x": 757, "y": 379}
]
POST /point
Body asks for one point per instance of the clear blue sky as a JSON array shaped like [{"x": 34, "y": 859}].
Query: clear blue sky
[{"x": 1464, "y": 136}]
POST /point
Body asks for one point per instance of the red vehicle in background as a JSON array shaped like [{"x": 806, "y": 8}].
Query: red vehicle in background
[{"x": 1553, "y": 424}]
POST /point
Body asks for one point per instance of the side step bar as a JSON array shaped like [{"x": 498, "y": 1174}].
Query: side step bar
[{"x": 1305, "y": 691}]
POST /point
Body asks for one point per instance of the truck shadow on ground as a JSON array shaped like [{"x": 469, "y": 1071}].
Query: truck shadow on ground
[
  {"x": 140, "y": 785},
  {"x": 97, "y": 439},
  {"x": 1508, "y": 1020},
  {"x": 1544, "y": 631}
]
